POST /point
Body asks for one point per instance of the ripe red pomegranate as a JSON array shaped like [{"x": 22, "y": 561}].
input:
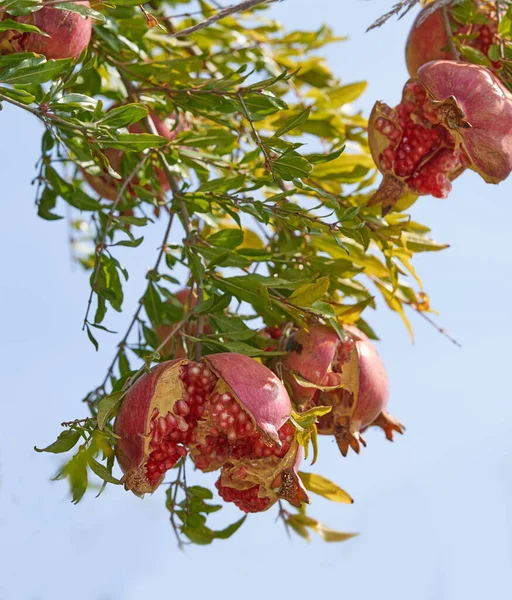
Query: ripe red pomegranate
[
  {"x": 69, "y": 33},
  {"x": 428, "y": 39},
  {"x": 453, "y": 116},
  {"x": 106, "y": 186},
  {"x": 353, "y": 377},
  {"x": 230, "y": 411}
]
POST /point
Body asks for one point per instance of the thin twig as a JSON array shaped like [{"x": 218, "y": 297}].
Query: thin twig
[
  {"x": 173, "y": 522},
  {"x": 438, "y": 328},
  {"x": 100, "y": 247},
  {"x": 225, "y": 12},
  {"x": 135, "y": 317},
  {"x": 268, "y": 162},
  {"x": 449, "y": 33}
]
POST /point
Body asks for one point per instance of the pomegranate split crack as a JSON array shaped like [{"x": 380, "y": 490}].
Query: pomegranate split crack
[
  {"x": 348, "y": 375},
  {"x": 228, "y": 412},
  {"x": 453, "y": 116}
]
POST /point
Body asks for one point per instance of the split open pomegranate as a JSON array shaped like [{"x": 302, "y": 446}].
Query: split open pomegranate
[
  {"x": 230, "y": 412},
  {"x": 452, "y": 117},
  {"x": 347, "y": 375}
]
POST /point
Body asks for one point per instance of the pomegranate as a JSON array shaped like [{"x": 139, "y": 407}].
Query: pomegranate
[
  {"x": 429, "y": 38},
  {"x": 106, "y": 186},
  {"x": 230, "y": 411},
  {"x": 69, "y": 33},
  {"x": 453, "y": 116},
  {"x": 348, "y": 375}
]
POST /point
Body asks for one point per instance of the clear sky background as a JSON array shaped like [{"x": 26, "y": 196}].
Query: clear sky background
[{"x": 434, "y": 509}]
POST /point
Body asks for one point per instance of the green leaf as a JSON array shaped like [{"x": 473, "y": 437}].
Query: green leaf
[
  {"x": 102, "y": 472},
  {"x": 107, "y": 408},
  {"x": 135, "y": 142},
  {"x": 199, "y": 492},
  {"x": 26, "y": 74},
  {"x": 317, "y": 159},
  {"x": 81, "y": 9},
  {"x": 505, "y": 24},
  {"x": 323, "y": 487},
  {"x": 8, "y": 24},
  {"x": 291, "y": 166},
  {"x": 92, "y": 338},
  {"x": 201, "y": 537},
  {"x": 474, "y": 56},
  {"x": 66, "y": 440},
  {"x": 76, "y": 472},
  {"x": 226, "y": 238},
  {"x": 123, "y": 116},
  {"x": 308, "y": 293},
  {"x": 130, "y": 243},
  {"x": 226, "y": 533},
  {"x": 293, "y": 122}
]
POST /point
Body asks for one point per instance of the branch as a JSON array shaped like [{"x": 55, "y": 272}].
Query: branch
[
  {"x": 135, "y": 317},
  {"x": 268, "y": 162},
  {"x": 225, "y": 12},
  {"x": 404, "y": 6},
  {"x": 110, "y": 218}
]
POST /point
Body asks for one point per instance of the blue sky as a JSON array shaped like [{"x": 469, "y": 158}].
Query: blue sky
[{"x": 434, "y": 510}]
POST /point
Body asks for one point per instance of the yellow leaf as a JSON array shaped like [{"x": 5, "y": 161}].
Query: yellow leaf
[
  {"x": 347, "y": 93},
  {"x": 324, "y": 487},
  {"x": 344, "y": 164},
  {"x": 330, "y": 535}
]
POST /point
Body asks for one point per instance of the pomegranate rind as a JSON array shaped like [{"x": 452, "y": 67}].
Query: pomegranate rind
[
  {"x": 69, "y": 33},
  {"x": 365, "y": 385},
  {"x": 427, "y": 41},
  {"x": 160, "y": 389},
  {"x": 259, "y": 391},
  {"x": 311, "y": 358},
  {"x": 392, "y": 186},
  {"x": 277, "y": 478},
  {"x": 485, "y": 104}
]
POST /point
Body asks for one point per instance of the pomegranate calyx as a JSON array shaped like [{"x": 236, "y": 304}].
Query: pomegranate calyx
[
  {"x": 288, "y": 486},
  {"x": 388, "y": 194}
]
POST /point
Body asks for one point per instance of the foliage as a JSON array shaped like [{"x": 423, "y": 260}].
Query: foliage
[{"x": 265, "y": 194}]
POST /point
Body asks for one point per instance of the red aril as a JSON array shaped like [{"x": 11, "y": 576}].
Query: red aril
[
  {"x": 453, "y": 116},
  {"x": 173, "y": 410}
]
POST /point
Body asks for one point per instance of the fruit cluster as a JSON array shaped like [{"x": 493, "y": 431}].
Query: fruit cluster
[
  {"x": 453, "y": 115},
  {"x": 230, "y": 412}
]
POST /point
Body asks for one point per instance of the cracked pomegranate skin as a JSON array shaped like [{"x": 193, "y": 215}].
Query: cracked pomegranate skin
[
  {"x": 483, "y": 114},
  {"x": 453, "y": 116},
  {"x": 69, "y": 33},
  {"x": 357, "y": 382},
  {"x": 229, "y": 411}
]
